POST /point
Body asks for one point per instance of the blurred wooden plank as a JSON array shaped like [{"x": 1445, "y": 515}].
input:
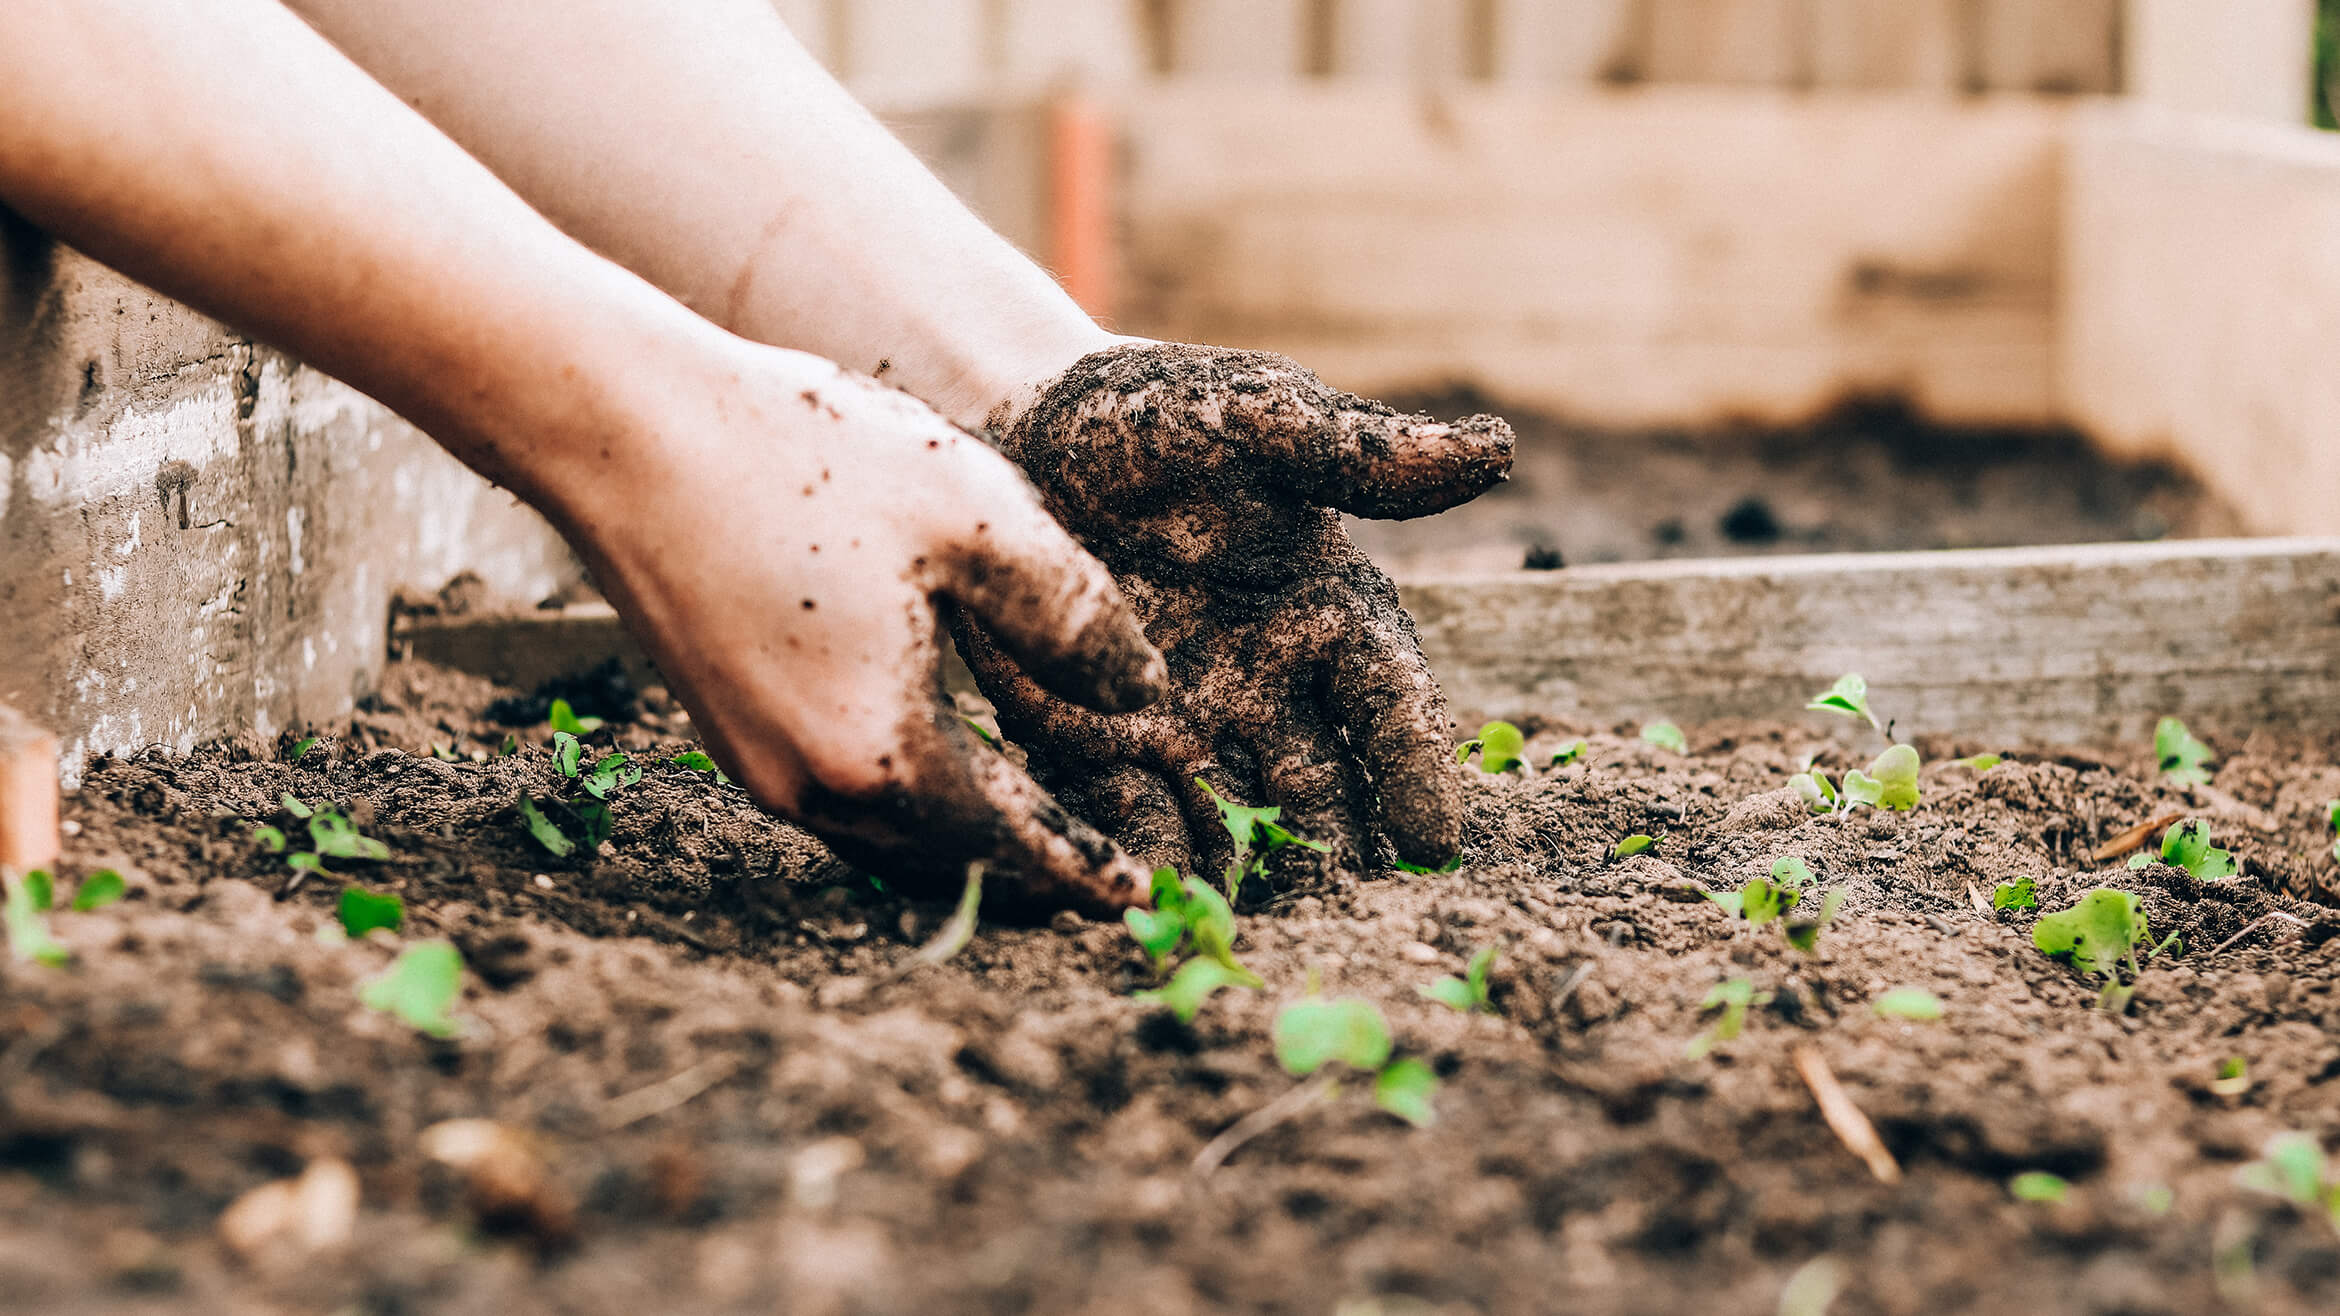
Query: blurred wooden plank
[
  {"x": 2083, "y": 643},
  {"x": 1886, "y": 44},
  {"x": 2087, "y": 643},
  {"x": 2057, "y": 46},
  {"x": 1728, "y": 42},
  {"x": 28, "y": 793}
]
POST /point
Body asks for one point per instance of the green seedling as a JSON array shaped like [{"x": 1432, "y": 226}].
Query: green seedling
[
  {"x": 982, "y": 732},
  {"x": 1187, "y": 908},
  {"x": 1447, "y": 867},
  {"x": 40, "y": 890},
  {"x": 698, "y": 762},
  {"x": 362, "y": 911},
  {"x": 301, "y": 748},
  {"x": 2018, "y": 894},
  {"x": 564, "y": 719},
  {"x": 1632, "y": 845},
  {"x": 2234, "y": 1077},
  {"x": 293, "y": 805},
  {"x": 510, "y": 746},
  {"x": 1665, "y": 735},
  {"x": 269, "y": 838},
  {"x": 1914, "y": 1003},
  {"x": 564, "y": 825},
  {"x": 1313, "y": 1033},
  {"x": 2182, "y": 758},
  {"x": 1567, "y": 754},
  {"x": 98, "y": 890},
  {"x": 1257, "y": 835},
  {"x": 1764, "y": 899},
  {"x": 334, "y": 837},
  {"x": 2100, "y": 936},
  {"x": 957, "y": 930},
  {"x": 2292, "y": 1166},
  {"x": 1467, "y": 994},
  {"x": 420, "y": 987},
  {"x": 2039, "y": 1186},
  {"x": 1499, "y": 746},
  {"x": 1734, "y": 997},
  {"x": 2334, "y": 819},
  {"x": 1813, "y": 787},
  {"x": 26, "y": 924},
  {"x": 1193, "y": 984},
  {"x": 1891, "y": 781},
  {"x": 1981, "y": 762},
  {"x": 1803, "y": 932},
  {"x": 1850, "y": 697},
  {"x": 443, "y": 753},
  {"x": 542, "y": 828},
  {"x": 2187, "y": 846}
]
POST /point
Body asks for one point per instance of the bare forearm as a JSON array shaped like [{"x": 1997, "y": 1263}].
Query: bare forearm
[
  {"x": 702, "y": 147},
  {"x": 227, "y": 155}
]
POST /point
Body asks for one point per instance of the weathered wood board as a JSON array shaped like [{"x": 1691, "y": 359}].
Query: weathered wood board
[
  {"x": 2086, "y": 643},
  {"x": 2041, "y": 644}
]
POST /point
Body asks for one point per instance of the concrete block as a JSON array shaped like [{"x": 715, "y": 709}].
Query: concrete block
[
  {"x": 1669, "y": 255},
  {"x": 2201, "y": 304},
  {"x": 2243, "y": 57}
]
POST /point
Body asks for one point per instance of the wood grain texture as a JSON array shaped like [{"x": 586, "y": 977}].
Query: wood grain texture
[{"x": 2088, "y": 643}]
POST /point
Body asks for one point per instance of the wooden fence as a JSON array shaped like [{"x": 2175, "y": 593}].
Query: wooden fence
[{"x": 897, "y": 52}]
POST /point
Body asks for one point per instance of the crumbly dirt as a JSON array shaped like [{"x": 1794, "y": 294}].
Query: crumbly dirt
[
  {"x": 731, "y": 1095},
  {"x": 1867, "y": 476}
]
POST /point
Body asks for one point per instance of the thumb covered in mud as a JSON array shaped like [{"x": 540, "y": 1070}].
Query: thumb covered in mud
[{"x": 1056, "y": 610}]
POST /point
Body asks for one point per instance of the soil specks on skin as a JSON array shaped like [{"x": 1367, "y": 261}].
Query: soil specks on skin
[{"x": 728, "y": 1098}]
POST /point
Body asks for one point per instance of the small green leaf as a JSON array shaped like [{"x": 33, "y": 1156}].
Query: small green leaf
[
  {"x": 2335, "y": 821},
  {"x": 1405, "y": 1089},
  {"x": 1981, "y": 762},
  {"x": 2100, "y": 928},
  {"x": 695, "y": 761},
  {"x": 293, "y": 806},
  {"x": 419, "y": 988},
  {"x": 1450, "y": 991},
  {"x": 510, "y": 746},
  {"x": 1447, "y": 867},
  {"x": 1158, "y": 931},
  {"x": 2182, "y": 758},
  {"x": 1790, "y": 872},
  {"x": 2187, "y": 846},
  {"x": 2018, "y": 894},
  {"x": 546, "y": 833},
  {"x": 1849, "y": 696},
  {"x": 1896, "y": 774},
  {"x": 2290, "y": 1166},
  {"x": 362, "y": 911},
  {"x": 1665, "y": 735},
  {"x": 1568, "y": 753},
  {"x": 566, "y": 753},
  {"x": 270, "y": 838},
  {"x": 98, "y": 890},
  {"x": 1311, "y": 1033},
  {"x": 564, "y": 718},
  {"x": 1909, "y": 1003},
  {"x": 301, "y": 748},
  {"x": 1463, "y": 751},
  {"x": 1500, "y": 746},
  {"x": 2234, "y": 1077},
  {"x": 1861, "y": 788},
  {"x": 40, "y": 889},
  {"x": 1193, "y": 984},
  {"x": 1210, "y": 920},
  {"x": 28, "y": 931},
  {"x": 1733, "y": 903},
  {"x": 593, "y": 821},
  {"x": 1633, "y": 845},
  {"x": 1255, "y": 830},
  {"x": 1734, "y": 997},
  {"x": 959, "y": 928},
  {"x": 982, "y": 732},
  {"x": 304, "y": 861},
  {"x": 442, "y": 753},
  {"x": 1760, "y": 901},
  {"x": 1469, "y": 992},
  {"x": 1815, "y": 790},
  {"x": 1804, "y": 933},
  {"x": 334, "y": 837},
  {"x": 2039, "y": 1186}
]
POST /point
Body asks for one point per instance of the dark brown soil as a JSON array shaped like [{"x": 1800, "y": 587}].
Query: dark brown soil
[
  {"x": 740, "y": 1104},
  {"x": 1866, "y": 477}
]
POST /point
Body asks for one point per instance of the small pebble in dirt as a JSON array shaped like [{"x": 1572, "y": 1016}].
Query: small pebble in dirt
[
  {"x": 1941, "y": 925},
  {"x": 1419, "y": 953},
  {"x": 543, "y": 883}
]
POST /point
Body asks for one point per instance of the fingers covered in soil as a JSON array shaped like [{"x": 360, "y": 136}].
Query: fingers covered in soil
[{"x": 703, "y": 1034}]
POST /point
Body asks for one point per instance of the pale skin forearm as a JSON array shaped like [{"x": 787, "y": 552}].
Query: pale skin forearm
[
  {"x": 702, "y": 147},
  {"x": 228, "y": 155}
]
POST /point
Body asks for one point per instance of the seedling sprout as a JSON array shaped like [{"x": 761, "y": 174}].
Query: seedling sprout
[
  {"x": 1633, "y": 845},
  {"x": 1467, "y": 994},
  {"x": 420, "y": 987},
  {"x": 1914, "y": 1003},
  {"x": 2293, "y": 1167},
  {"x": 1981, "y": 762},
  {"x": 1849, "y": 697},
  {"x": 362, "y": 911},
  {"x": 1313, "y": 1033},
  {"x": 2187, "y": 846},
  {"x": 1665, "y": 735},
  {"x": 1574, "y": 750},
  {"x": 2039, "y": 1186},
  {"x": 2182, "y": 758},
  {"x": 2018, "y": 894},
  {"x": 2234, "y": 1077},
  {"x": 1891, "y": 781},
  {"x": 2101, "y": 934},
  {"x": 1499, "y": 746},
  {"x": 98, "y": 890},
  {"x": 1447, "y": 867},
  {"x": 1765, "y": 899},
  {"x": 1257, "y": 835},
  {"x": 564, "y": 719},
  {"x": 1734, "y": 997},
  {"x": 2334, "y": 819},
  {"x": 26, "y": 922}
]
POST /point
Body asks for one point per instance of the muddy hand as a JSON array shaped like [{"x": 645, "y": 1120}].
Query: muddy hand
[
  {"x": 783, "y": 562},
  {"x": 1207, "y": 480}
]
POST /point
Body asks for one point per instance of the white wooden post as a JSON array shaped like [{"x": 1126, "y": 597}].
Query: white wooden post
[{"x": 2243, "y": 57}]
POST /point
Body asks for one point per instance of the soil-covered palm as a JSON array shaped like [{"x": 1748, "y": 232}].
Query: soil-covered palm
[{"x": 1208, "y": 480}]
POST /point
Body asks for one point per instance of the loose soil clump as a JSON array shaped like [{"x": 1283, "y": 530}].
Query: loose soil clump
[{"x": 697, "y": 1075}]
